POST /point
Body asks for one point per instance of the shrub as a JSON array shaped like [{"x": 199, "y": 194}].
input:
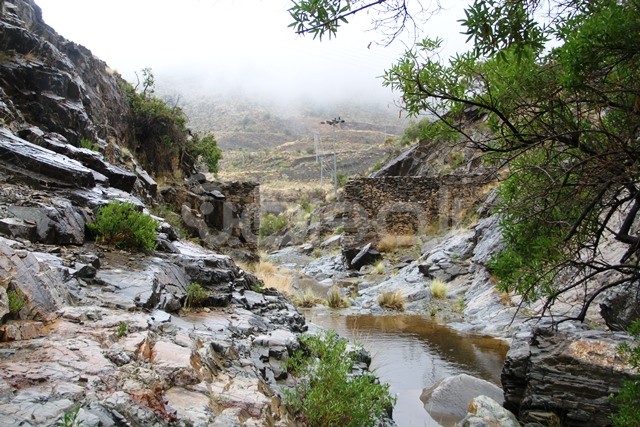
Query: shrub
[
  {"x": 206, "y": 147},
  {"x": 326, "y": 394},
  {"x": 335, "y": 298},
  {"x": 163, "y": 142},
  {"x": 17, "y": 300},
  {"x": 271, "y": 224},
  {"x": 123, "y": 226},
  {"x": 392, "y": 300},
  {"x": 160, "y": 131},
  {"x": 438, "y": 288},
  {"x": 196, "y": 295},
  {"x": 627, "y": 401}
]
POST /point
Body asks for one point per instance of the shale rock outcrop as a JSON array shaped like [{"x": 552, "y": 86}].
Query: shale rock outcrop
[{"x": 565, "y": 377}]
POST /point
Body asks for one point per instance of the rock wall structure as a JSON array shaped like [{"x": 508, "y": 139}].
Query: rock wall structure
[
  {"x": 225, "y": 215},
  {"x": 407, "y": 205}
]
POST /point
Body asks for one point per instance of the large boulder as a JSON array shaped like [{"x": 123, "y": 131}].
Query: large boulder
[
  {"x": 451, "y": 396},
  {"x": 621, "y": 306},
  {"x": 567, "y": 375},
  {"x": 118, "y": 177},
  {"x": 361, "y": 257}
]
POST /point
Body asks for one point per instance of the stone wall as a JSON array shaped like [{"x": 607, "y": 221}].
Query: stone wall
[
  {"x": 408, "y": 205},
  {"x": 225, "y": 215}
]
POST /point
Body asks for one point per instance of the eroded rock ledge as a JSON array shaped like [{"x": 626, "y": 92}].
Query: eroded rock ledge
[{"x": 564, "y": 378}]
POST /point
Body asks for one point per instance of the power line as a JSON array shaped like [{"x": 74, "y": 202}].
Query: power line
[{"x": 333, "y": 123}]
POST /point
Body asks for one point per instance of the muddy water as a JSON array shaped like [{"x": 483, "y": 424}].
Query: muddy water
[{"x": 412, "y": 352}]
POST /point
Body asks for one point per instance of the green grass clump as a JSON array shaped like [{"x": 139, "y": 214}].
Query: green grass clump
[
  {"x": 89, "y": 145},
  {"x": 122, "y": 225},
  {"x": 196, "y": 295},
  {"x": 173, "y": 218},
  {"x": 438, "y": 288},
  {"x": 326, "y": 394},
  {"x": 271, "y": 224},
  {"x": 306, "y": 205},
  {"x": 70, "y": 419},
  {"x": 123, "y": 329},
  {"x": 17, "y": 301}
]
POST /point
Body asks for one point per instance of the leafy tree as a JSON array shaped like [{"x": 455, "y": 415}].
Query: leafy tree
[
  {"x": 561, "y": 97},
  {"x": 323, "y": 17}
]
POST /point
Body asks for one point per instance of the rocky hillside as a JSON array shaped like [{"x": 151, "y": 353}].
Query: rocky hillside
[
  {"x": 54, "y": 84},
  {"x": 96, "y": 336}
]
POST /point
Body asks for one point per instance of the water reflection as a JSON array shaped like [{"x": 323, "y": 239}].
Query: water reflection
[{"x": 411, "y": 353}]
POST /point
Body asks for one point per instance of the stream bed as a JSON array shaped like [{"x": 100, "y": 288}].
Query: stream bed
[{"x": 412, "y": 352}]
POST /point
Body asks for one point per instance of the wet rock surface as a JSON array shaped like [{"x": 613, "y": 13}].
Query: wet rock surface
[
  {"x": 565, "y": 376},
  {"x": 115, "y": 344}
]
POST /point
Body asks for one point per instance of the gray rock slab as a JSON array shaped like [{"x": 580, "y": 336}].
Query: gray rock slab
[{"x": 35, "y": 159}]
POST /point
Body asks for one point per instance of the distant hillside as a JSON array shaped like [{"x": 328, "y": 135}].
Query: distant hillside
[
  {"x": 241, "y": 123},
  {"x": 277, "y": 145}
]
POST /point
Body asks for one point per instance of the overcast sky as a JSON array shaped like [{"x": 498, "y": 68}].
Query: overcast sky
[{"x": 222, "y": 46}]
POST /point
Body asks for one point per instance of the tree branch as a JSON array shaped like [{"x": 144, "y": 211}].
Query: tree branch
[{"x": 337, "y": 18}]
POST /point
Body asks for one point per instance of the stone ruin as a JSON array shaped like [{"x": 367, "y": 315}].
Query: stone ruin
[
  {"x": 224, "y": 215},
  {"x": 402, "y": 205}
]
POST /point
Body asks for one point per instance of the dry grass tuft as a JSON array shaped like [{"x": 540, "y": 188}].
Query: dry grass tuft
[
  {"x": 263, "y": 268},
  {"x": 392, "y": 300},
  {"x": 307, "y": 299},
  {"x": 392, "y": 242},
  {"x": 438, "y": 288},
  {"x": 272, "y": 276},
  {"x": 335, "y": 298},
  {"x": 505, "y": 299},
  {"x": 280, "y": 281},
  {"x": 378, "y": 268}
]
